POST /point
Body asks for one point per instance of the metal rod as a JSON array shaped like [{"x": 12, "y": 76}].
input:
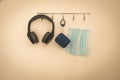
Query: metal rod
[{"x": 67, "y": 13}]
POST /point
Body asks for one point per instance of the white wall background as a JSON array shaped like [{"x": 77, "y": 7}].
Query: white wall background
[{"x": 20, "y": 60}]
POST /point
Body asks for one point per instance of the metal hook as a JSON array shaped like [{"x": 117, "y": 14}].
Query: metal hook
[
  {"x": 63, "y": 16},
  {"x": 62, "y": 22},
  {"x": 73, "y": 17},
  {"x": 41, "y": 18},
  {"x": 52, "y": 16},
  {"x": 84, "y": 17}
]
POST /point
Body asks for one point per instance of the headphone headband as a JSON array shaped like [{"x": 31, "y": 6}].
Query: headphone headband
[{"x": 41, "y": 16}]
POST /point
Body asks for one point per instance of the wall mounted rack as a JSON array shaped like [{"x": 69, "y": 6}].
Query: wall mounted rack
[
  {"x": 66, "y": 13},
  {"x": 84, "y": 14}
]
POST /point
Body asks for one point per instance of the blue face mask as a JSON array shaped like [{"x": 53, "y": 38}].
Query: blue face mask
[{"x": 79, "y": 44}]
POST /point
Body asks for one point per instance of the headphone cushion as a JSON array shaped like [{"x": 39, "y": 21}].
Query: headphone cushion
[
  {"x": 46, "y": 38},
  {"x": 34, "y": 37}
]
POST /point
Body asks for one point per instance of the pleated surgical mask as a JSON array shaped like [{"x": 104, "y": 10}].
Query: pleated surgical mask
[{"x": 79, "y": 44}]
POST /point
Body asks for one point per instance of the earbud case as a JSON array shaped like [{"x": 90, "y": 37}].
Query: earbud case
[{"x": 62, "y": 40}]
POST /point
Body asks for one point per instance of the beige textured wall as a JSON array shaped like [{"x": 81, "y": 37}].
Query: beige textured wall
[{"x": 20, "y": 60}]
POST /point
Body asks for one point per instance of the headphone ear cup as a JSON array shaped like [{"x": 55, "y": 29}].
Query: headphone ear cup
[
  {"x": 33, "y": 37},
  {"x": 47, "y": 38}
]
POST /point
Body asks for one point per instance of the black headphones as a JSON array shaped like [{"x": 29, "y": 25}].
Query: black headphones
[{"x": 47, "y": 37}]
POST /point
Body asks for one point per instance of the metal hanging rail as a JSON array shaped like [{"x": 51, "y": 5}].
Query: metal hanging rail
[
  {"x": 84, "y": 14},
  {"x": 66, "y": 13}
]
